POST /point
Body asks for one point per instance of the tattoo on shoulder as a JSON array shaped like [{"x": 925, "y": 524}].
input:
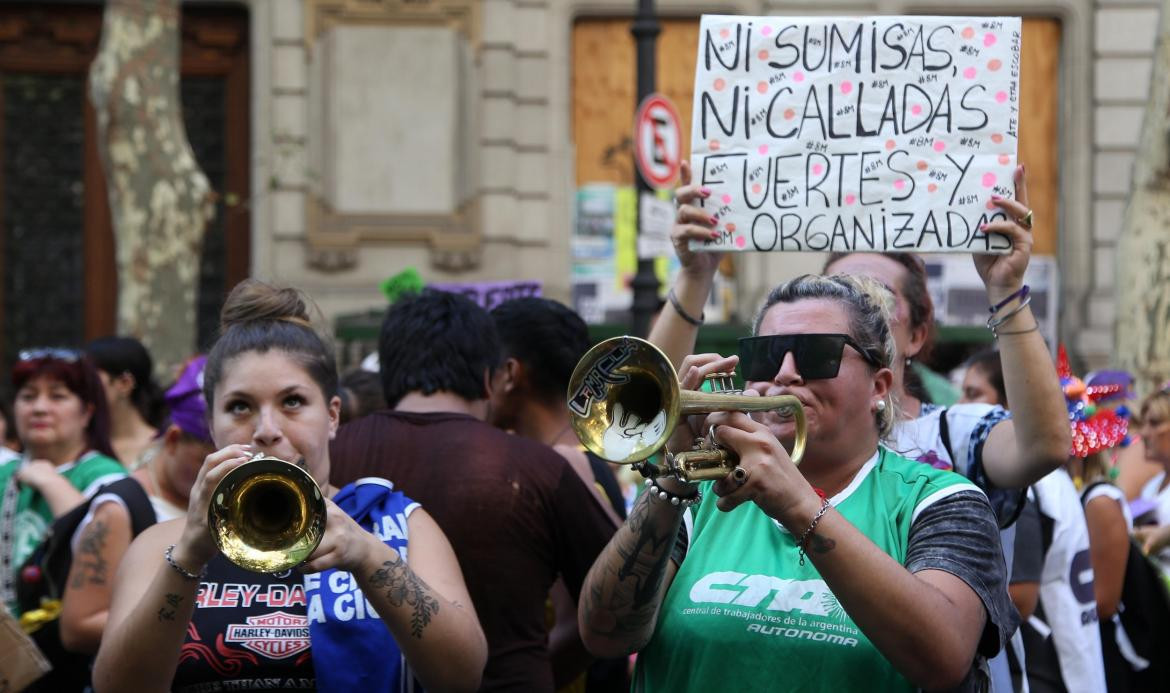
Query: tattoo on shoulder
[
  {"x": 89, "y": 564},
  {"x": 404, "y": 587},
  {"x": 167, "y": 612}
]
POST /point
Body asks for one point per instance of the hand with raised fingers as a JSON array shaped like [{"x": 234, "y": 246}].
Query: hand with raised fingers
[
  {"x": 692, "y": 223},
  {"x": 195, "y": 547},
  {"x": 1004, "y": 274}
]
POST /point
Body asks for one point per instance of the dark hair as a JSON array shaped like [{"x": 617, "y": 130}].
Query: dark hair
[
  {"x": 868, "y": 305},
  {"x": 988, "y": 362},
  {"x": 81, "y": 377},
  {"x": 361, "y": 394},
  {"x": 258, "y": 317},
  {"x": 548, "y": 338},
  {"x": 914, "y": 290},
  {"x": 118, "y": 355},
  {"x": 436, "y": 341}
]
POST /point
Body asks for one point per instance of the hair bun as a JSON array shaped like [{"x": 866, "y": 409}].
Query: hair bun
[{"x": 255, "y": 301}]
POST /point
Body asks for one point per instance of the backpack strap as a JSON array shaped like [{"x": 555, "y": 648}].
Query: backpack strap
[{"x": 944, "y": 432}]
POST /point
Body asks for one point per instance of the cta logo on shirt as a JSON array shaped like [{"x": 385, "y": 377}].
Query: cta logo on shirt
[{"x": 276, "y": 636}]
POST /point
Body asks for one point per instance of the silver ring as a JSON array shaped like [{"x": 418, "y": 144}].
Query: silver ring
[{"x": 739, "y": 475}]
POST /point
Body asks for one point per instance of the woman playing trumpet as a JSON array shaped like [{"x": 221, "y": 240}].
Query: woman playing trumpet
[
  {"x": 859, "y": 570},
  {"x": 184, "y": 618}
]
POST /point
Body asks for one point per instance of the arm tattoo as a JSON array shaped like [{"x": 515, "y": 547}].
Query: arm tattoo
[
  {"x": 820, "y": 544},
  {"x": 404, "y": 587},
  {"x": 90, "y": 563},
  {"x": 622, "y": 602},
  {"x": 168, "y": 614}
]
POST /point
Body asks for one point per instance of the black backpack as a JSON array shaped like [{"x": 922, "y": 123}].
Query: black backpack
[
  {"x": 1144, "y": 613},
  {"x": 43, "y": 576}
]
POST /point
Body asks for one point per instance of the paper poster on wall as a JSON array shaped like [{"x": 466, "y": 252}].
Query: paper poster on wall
[
  {"x": 865, "y": 133},
  {"x": 604, "y": 260}
]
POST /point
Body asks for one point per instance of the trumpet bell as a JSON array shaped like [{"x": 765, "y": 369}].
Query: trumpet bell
[
  {"x": 624, "y": 399},
  {"x": 267, "y": 515}
]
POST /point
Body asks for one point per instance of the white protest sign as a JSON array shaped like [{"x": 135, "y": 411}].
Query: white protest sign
[
  {"x": 870, "y": 133},
  {"x": 655, "y": 219}
]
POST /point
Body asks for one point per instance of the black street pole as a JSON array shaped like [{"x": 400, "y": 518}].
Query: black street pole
[{"x": 645, "y": 30}]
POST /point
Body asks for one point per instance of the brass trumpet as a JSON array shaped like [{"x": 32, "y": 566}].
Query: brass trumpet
[
  {"x": 267, "y": 515},
  {"x": 625, "y": 401}
]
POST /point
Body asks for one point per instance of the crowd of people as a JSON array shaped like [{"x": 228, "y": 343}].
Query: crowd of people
[{"x": 472, "y": 542}]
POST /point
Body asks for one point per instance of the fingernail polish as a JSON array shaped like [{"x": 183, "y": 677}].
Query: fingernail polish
[
  {"x": 983, "y": 227},
  {"x": 714, "y": 219},
  {"x": 715, "y": 234},
  {"x": 996, "y": 197},
  {"x": 705, "y": 190}
]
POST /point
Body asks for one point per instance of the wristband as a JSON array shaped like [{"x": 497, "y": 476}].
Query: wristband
[
  {"x": 1020, "y": 293},
  {"x": 670, "y": 296}
]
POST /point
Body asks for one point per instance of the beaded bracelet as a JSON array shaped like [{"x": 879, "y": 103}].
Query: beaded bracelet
[
  {"x": 1020, "y": 293},
  {"x": 670, "y": 295},
  {"x": 803, "y": 541},
  {"x": 681, "y": 501},
  {"x": 188, "y": 575}
]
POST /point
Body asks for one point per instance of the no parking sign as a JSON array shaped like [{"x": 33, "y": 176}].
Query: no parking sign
[{"x": 657, "y": 141}]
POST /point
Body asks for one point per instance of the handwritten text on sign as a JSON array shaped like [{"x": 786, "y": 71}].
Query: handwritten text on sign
[{"x": 878, "y": 133}]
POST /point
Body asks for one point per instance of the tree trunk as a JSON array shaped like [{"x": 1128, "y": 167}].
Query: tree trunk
[
  {"x": 1143, "y": 271},
  {"x": 160, "y": 200}
]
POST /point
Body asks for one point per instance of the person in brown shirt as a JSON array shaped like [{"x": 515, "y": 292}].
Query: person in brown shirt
[{"x": 515, "y": 512}]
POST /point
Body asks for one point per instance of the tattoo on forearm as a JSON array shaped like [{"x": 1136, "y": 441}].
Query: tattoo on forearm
[
  {"x": 167, "y": 613},
  {"x": 90, "y": 565},
  {"x": 404, "y": 587},
  {"x": 819, "y": 544},
  {"x": 626, "y": 599}
]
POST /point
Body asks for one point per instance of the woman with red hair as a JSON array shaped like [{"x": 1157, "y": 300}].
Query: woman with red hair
[{"x": 63, "y": 424}]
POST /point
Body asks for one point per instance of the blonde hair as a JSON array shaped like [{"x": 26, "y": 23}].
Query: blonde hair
[{"x": 869, "y": 306}]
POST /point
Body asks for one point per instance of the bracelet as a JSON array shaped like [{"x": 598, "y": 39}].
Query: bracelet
[
  {"x": 1020, "y": 293},
  {"x": 1033, "y": 328},
  {"x": 997, "y": 320},
  {"x": 188, "y": 575},
  {"x": 803, "y": 541},
  {"x": 656, "y": 491},
  {"x": 682, "y": 313}
]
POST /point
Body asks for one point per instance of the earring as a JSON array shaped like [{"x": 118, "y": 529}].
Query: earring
[
  {"x": 880, "y": 405},
  {"x": 909, "y": 361}
]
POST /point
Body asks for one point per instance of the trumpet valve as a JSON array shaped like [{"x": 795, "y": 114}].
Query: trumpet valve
[{"x": 722, "y": 383}]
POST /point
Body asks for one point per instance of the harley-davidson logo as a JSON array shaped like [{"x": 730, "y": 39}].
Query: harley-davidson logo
[{"x": 277, "y": 635}]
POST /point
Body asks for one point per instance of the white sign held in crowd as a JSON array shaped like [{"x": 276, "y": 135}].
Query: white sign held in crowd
[{"x": 872, "y": 133}]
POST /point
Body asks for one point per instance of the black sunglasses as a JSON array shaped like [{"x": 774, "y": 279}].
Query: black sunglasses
[
  {"x": 818, "y": 356},
  {"x": 66, "y": 355}
]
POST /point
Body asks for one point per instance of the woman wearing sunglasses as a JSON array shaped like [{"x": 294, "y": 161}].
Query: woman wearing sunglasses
[{"x": 841, "y": 574}]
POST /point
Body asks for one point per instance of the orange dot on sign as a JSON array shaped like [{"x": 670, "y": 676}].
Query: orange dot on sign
[
  {"x": 890, "y": 144},
  {"x": 921, "y": 165},
  {"x": 1004, "y": 159},
  {"x": 756, "y": 188},
  {"x": 968, "y": 33},
  {"x": 713, "y": 145},
  {"x": 997, "y": 138},
  {"x": 724, "y": 33},
  {"x": 932, "y": 187},
  {"x": 763, "y": 55},
  {"x": 789, "y": 114},
  {"x": 719, "y": 84},
  {"x": 762, "y": 87},
  {"x": 730, "y": 227},
  {"x": 994, "y": 64}
]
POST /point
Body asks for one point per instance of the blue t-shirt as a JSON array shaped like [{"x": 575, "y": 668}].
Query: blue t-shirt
[{"x": 352, "y": 648}]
